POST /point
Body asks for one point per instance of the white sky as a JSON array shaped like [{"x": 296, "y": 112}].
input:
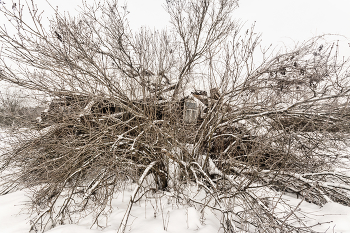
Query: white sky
[
  {"x": 290, "y": 21},
  {"x": 279, "y": 21}
]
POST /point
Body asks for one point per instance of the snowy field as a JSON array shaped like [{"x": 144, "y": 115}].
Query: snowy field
[{"x": 159, "y": 214}]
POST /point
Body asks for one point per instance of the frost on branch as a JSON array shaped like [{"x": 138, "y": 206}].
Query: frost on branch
[{"x": 179, "y": 113}]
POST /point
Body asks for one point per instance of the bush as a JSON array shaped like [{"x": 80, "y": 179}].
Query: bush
[
  {"x": 268, "y": 128},
  {"x": 15, "y": 113}
]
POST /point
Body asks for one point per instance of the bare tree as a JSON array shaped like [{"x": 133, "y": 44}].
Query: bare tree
[{"x": 268, "y": 127}]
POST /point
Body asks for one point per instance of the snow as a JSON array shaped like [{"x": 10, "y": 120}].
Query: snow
[
  {"x": 161, "y": 213},
  {"x": 11, "y": 205},
  {"x": 5, "y": 139},
  {"x": 337, "y": 216},
  {"x": 154, "y": 215}
]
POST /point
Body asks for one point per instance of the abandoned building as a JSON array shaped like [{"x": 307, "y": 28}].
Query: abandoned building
[{"x": 72, "y": 106}]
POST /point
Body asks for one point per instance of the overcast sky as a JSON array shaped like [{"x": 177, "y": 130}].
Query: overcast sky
[{"x": 279, "y": 21}]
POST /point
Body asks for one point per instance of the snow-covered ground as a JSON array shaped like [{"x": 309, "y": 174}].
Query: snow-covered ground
[{"x": 160, "y": 214}]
